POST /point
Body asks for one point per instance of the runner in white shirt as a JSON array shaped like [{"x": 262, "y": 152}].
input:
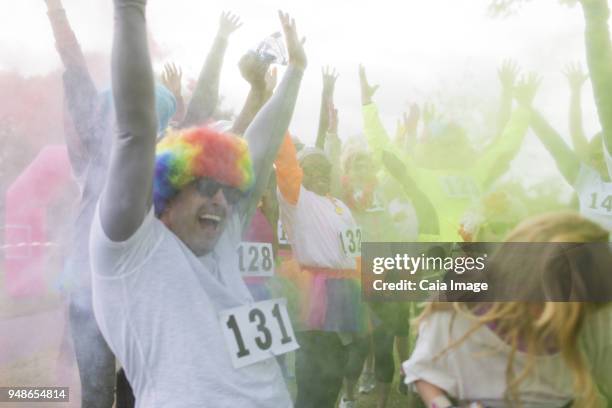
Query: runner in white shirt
[
  {"x": 590, "y": 180},
  {"x": 326, "y": 243},
  {"x": 159, "y": 284}
]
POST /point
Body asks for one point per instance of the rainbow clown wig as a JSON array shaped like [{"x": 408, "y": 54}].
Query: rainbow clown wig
[{"x": 186, "y": 155}]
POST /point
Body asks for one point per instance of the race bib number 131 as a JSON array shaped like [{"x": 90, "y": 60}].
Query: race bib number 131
[{"x": 257, "y": 331}]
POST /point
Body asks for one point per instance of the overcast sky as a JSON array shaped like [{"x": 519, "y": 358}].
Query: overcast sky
[{"x": 442, "y": 50}]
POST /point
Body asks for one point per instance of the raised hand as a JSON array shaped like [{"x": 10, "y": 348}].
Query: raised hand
[
  {"x": 329, "y": 80},
  {"x": 367, "y": 90},
  {"x": 172, "y": 78},
  {"x": 405, "y": 131},
  {"x": 508, "y": 73},
  {"x": 527, "y": 88},
  {"x": 575, "y": 76},
  {"x": 295, "y": 48},
  {"x": 228, "y": 23},
  {"x": 409, "y": 120},
  {"x": 328, "y": 116}
]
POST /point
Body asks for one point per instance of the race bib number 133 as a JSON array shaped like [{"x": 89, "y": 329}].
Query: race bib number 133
[
  {"x": 257, "y": 331},
  {"x": 282, "y": 235},
  {"x": 350, "y": 240}
]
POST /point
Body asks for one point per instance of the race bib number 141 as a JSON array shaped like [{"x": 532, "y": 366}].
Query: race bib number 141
[{"x": 257, "y": 331}]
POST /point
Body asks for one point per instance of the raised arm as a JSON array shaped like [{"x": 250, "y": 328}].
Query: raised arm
[
  {"x": 599, "y": 59},
  {"x": 495, "y": 160},
  {"x": 262, "y": 80},
  {"x": 65, "y": 41},
  {"x": 333, "y": 149},
  {"x": 327, "y": 98},
  {"x": 406, "y": 132},
  {"x": 266, "y": 132},
  {"x": 81, "y": 95},
  {"x": 206, "y": 94},
  {"x": 567, "y": 161},
  {"x": 289, "y": 174},
  {"x": 127, "y": 194},
  {"x": 172, "y": 78},
  {"x": 576, "y": 78},
  {"x": 375, "y": 133},
  {"x": 507, "y": 74}
]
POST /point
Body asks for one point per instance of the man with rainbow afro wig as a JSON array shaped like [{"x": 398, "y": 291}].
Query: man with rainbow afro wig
[
  {"x": 164, "y": 236},
  {"x": 206, "y": 161}
]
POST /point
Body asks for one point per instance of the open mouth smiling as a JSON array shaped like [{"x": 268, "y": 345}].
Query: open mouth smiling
[{"x": 210, "y": 220}]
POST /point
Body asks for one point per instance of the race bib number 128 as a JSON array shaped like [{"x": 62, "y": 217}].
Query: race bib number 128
[
  {"x": 257, "y": 331},
  {"x": 255, "y": 259}
]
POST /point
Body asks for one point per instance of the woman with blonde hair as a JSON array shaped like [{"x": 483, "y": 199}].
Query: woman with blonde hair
[{"x": 515, "y": 353}]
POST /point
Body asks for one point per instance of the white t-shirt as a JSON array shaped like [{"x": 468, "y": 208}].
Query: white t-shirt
[
  {"x": 157, "y": 306},
  {"x": 475, "y": 369},
  {"x": 595, "y": 196},
  {"x": 313, "y": 227}
]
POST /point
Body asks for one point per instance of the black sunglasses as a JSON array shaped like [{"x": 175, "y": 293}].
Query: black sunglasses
[{"x": 209, "y": 187}]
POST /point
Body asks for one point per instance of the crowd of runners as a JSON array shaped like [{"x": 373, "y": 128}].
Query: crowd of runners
[{"x": 217, "y": 262}]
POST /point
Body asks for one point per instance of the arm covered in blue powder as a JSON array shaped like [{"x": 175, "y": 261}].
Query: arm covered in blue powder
[
  {"x": 126, "y": 198},
  {"x": 81, "y": 95}
]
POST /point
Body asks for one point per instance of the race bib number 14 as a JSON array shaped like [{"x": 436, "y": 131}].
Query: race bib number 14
[
  {"x": 601, "y": 203},
  {"x": 257, "y": 331}
]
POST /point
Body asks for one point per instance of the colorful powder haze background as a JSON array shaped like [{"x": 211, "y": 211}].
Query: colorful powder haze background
[{"x": 442, "y": 51}]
